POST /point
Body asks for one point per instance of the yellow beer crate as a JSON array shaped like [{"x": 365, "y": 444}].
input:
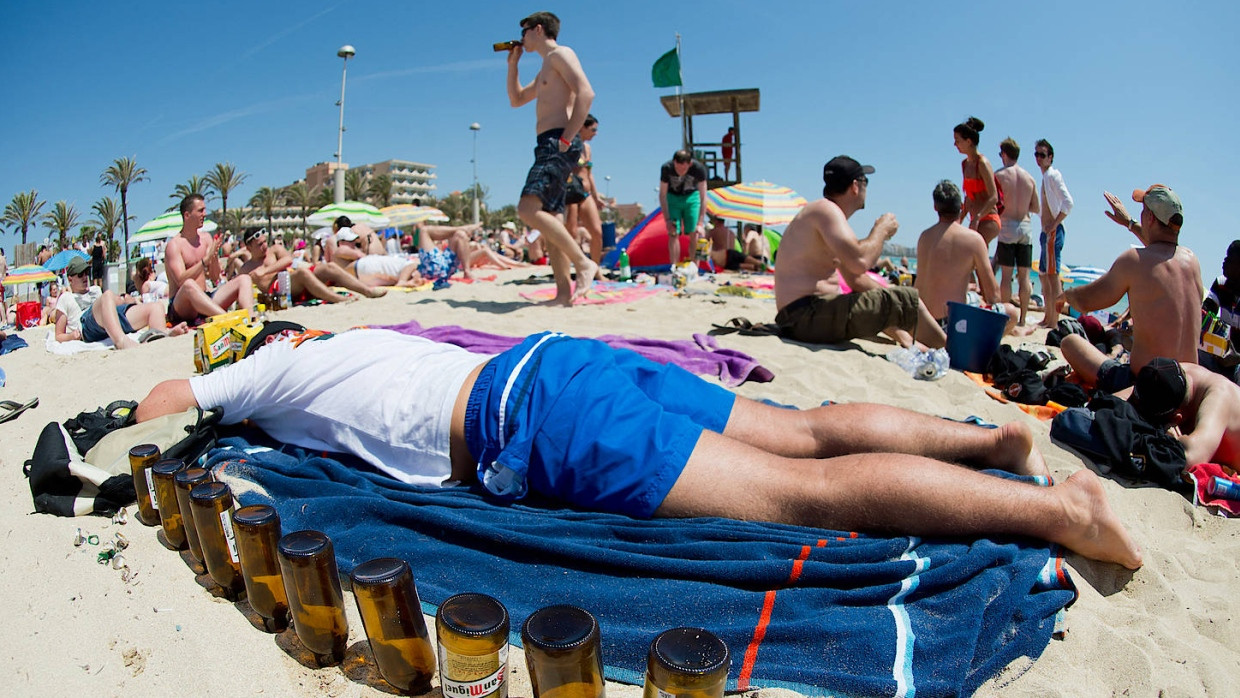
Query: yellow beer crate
[
  {"x": 213, "y": 340},
  {"x": 242, "y": 335}
]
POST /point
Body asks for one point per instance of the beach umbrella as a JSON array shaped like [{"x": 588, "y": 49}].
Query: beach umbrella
[
  {"x": 61, "y": 259},
  {"x": 357, "y": 212},
  {"x": 757, "y": 202},
  {"x": 322, "y": 233},
  {"x": 28, "y": 274},
  {"x": 165, "y": 226},
  {"x": 408, "y": 214}
]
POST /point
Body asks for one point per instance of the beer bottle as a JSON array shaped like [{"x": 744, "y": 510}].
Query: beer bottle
[
  {"x": 141, "y": 458},
  {"x": 686, "y": 663},
  {"x": 472, "y": 630},
  {"x": 562, "y": 653},
  {"x": 387, "y": 600},
  {"x": 212, "y": 504},
  {"x": 506, "y": 45},
  {"x": 257, "y": 529},
  {"x": 166, "y": 495},
  {"x": 185, "y": 481},
  {"x": 315, "y": 601}
]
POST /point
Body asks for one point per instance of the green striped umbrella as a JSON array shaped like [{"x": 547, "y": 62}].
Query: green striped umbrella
[
  {"x": 357, "y": 212},
  {"x": 406, "y": 214},
  {"x": 165, "y": 226}
]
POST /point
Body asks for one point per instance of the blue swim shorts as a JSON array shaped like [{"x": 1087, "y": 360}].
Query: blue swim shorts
[
  {"x": 92, "y": 331},
  {"x": 1114, "y": 376},
  {"x": 548, "y": 177},
  {"x": 435, "y": 264},
  {"x": 1060, "y": 233},
  {"x": 575, "y": 420}
]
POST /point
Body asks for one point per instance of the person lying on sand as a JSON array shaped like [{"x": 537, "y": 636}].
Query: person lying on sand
[
  {"x": 85, "y": 312},
  {"x": 1201, "y": 407},
  {"x": 267, "y": 261},
  {"x": 435, "y": 414}
]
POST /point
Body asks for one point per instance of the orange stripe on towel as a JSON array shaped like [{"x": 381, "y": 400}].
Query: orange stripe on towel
[{"x": 768, "y": 606}]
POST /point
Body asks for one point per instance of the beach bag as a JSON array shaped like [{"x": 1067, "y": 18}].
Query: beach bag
[{"x": 1112, "y": 434}]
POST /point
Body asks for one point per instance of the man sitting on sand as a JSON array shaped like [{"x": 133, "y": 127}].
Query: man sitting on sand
[
  {"x": 723, "y": 252},
  {"x": 817, "y": 244},
  {"x": 85, "y": 312},
  {"x": 190, "y": 259},
  {"x": 1202, "y": 407},
  {"x": 435, "y": 414},
  {"x": 267, "y": 261},
  {"x": 1163, "y": 283},
  {"x": 947, "y": 256}
]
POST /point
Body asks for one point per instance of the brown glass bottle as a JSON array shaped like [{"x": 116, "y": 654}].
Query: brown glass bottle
[
  {"x": 472, "y": 630},
  {"x": 141, "y": 458},
  {"x": 257, "y": 529},
  {"x": 387, "y": 600},
  {"x": 212, "y": 504},
  {"x": 315, "y": 601},
  {"x": 506, "y": 45},
  {"x": 163, "y": 473},
  {"x": 562, "y": 653},
  {"x": 687, "y": 663},
  {"x": 185, "y": 481}
]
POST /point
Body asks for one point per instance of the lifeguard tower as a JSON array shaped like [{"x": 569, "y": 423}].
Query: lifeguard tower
[{"x": 710, "y": 153}]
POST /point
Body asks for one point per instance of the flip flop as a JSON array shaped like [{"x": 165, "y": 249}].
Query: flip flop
[{"x": 10, "y": 410}]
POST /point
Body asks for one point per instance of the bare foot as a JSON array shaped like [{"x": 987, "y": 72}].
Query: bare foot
[
  {"x": 1023, "y": 331},
  {"x": 375, "y": 292},
  {"x": 178, "y": 329},
  {"x": 585, "y": 279},
  {"x": 127, "y": 343},
  {"x": 1089, "y": 527},
  {"x": 1014, "y": 452},
  {"x": 559, "y": 301}
]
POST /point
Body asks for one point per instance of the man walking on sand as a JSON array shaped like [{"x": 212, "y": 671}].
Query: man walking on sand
[
  {"x": 190, "y": 259},
  {"x": 811, "y": 306},
  {"x": 1055, "y": 206},
  {"x": 1015, "y": 247},
  {"x": 563, "y": 97}
]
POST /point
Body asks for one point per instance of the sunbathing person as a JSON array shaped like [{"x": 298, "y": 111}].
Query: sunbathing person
[
  {"x": 373, "y": 271},
  {"x": 87, "y": 313},
  {"x": 267, "y": 261},
  {"x": 723, "y": 252},
  {"x": 1163, "y": 283},
  {"x": 948, "y": 254},
  {"x": 190, "y": 260},
  {"x": 1201, "y": 407},
  {"x": 680, "y": 446}
]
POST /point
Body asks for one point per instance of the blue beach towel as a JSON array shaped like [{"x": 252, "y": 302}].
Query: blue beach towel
[{"x": 811, "y": 610}]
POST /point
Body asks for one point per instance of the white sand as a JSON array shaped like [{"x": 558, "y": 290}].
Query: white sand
[{"x": 74, "y": 627}]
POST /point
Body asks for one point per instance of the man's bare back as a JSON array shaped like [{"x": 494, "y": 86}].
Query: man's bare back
[
  {"x": 947, "y": 255},
  {"x": 1020, "y": 193},
  {"x": 1210, "y": 429}
]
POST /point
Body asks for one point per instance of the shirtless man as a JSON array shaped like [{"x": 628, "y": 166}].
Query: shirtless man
[
  {"x": 1202, "y": 407},
  {"x": 723, "y": 252},
  {"x": 190, "y": 259},
  {"x": 1015, "y": 247},
  {"x": 267, "y": 261},
  {"x": 817, "y": 244},
  {"x": 1163, "y": 283},
  {"x": 563, "y": 97},
  {"x": 947, "y": 256}
]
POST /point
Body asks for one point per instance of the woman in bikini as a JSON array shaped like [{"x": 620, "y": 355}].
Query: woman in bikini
[
  {"x": 583, "y": 201},
  {"x": 982, "y": 197}
]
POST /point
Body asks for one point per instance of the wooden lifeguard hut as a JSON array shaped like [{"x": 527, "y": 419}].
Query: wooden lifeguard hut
[{"x": 710, "y": 152}]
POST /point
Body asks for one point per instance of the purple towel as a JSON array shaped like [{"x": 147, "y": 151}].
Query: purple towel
[{"x": 701, "y": 356}]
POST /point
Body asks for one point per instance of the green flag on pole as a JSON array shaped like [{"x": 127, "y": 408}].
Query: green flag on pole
[{"x": 666, "y": 70}]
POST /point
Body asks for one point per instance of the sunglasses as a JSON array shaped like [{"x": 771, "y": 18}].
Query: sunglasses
[
  {"x": 524, "y": 30},
  {"x": 1041, "y": 155},
  {"x": 864, "y": 180}
]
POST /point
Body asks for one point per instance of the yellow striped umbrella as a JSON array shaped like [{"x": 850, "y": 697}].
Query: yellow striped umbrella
[
  {"x": 408, "y": 214},
  {"x": 757, "y": 202},
  {"x": 28, "y": 274}
]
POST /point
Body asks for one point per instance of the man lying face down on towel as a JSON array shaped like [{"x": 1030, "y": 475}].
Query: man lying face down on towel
[{"x": 608, "y": 430}]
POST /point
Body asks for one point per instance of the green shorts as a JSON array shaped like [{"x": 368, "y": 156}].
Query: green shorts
[
  {"x": 684, "y": 211},
  {"x": 819, "y": 320}
]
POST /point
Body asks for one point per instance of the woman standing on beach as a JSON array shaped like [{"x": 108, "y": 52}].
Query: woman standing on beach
[
  {"x": 583, "y": 201},
  {"x": 983, "y": 200}
]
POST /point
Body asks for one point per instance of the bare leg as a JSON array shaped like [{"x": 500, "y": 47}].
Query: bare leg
[
  {"x": 304, "y": 281},
  {"x": 152, "y": 315},
  {"x": 897, "y": 493},
  {"x": 1005, "y": 284},
  {"x": 239, "y": 290},
  {"x": 530, "y": 210},
  {"x": 192, "y": 300},
  {"x": 673, "y": 249},
  {"x": 559, "y": 271},
  {"x": 104, "y": 312},
  {"x": 1025, "y": 290},
  {"x": 588, "y": 211},
  {"x": 409, "y": 277},
  {"x": 1050, "y": 290},
  {"x": 332, "y": 274},
  {"x": 1083, "y": 357}
]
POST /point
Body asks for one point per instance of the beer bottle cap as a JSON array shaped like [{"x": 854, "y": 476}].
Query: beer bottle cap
[
  {"x": 690, "y": 651},
  {"x": 473, "y": 615},
  {"x": 308, "y": 543},
  {"x": 168, "y": 466},
  {"x": 559, "y": 628},
  {"x": 191, "y": 476},
  {"x": 255, "y": 515},
  {"x": 209, "y": 492},
  {"x": 381, "y": 571},
  {"x": 144, "y": 451}
]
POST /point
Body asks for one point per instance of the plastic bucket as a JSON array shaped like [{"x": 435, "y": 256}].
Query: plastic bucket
[
  {"x": 609, "y": 234},
  {"x": 973, "y": 335}
]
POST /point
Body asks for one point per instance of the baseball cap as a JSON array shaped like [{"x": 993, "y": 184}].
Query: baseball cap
[
  {"x": 1159, "y": 390},
  {"x": 840, "y": 171},
  {"x": 346, "y": 233},
  {"x": 76, "y": 266},
  {"x": 1162, "y": 202},
  {"x": 509, "y": 226}
]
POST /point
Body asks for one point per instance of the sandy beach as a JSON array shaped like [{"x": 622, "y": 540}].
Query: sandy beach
[{"x": 74, "y": 627}]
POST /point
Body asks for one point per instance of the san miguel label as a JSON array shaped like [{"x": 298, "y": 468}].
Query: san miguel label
[{"x": 481, "y": 676}]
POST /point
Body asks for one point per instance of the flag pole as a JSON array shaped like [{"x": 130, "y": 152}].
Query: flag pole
[{"x": 680, "y": 98}]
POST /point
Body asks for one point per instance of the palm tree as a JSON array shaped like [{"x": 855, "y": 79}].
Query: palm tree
[
  {"x": 235, "y": 220},
  {"x": 63, "y": 217},
  {"x": 121, "y": 174},
  {"x": 86, "y": 233},
  {"x": 23, "y": 211},
  {"x": 106, "y": 220},
  {"x": 324, "y": 196},
  {"x": 195, "y": 185},
  {"x": 299, "y": 195},
  {"x": 354, "y": 186},
  {"x": 266, "y": 199},
  {"x": 223, "y": 178},
  {"x": 379, "y": 191}
]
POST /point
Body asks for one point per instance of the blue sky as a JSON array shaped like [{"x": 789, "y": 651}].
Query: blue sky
[{"x": 1129, "y": 94}]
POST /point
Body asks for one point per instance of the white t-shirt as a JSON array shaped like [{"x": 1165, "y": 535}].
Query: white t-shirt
[
  {"x": 387, "y": 265},
  {"x": 383, "y": 396},
  {"x": 74, "y": 304}
]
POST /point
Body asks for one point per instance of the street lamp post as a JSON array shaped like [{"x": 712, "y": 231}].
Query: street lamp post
[
  {"x": 475, "y": 127},
  {"x": 346, "y": 52},
  {"x": 608, "y": 178}
]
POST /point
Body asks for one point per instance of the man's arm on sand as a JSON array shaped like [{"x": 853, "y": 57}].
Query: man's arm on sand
[
  {"x": 63, "y": 334},
  {"x": 1203, "y": 441},
  {"x": 518, "y": 96},
  {"x": 1108, "y": 289},
  {"x": 564, "y": 62},
  {"x": 169, "y": 397}
]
